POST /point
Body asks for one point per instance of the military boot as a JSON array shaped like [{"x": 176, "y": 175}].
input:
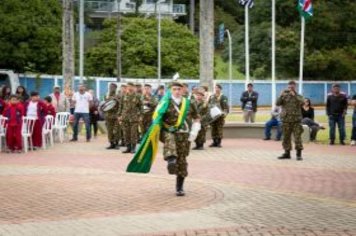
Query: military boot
[
  {"x": 196, "y": 146},
  {"x": 218, "y": 143},
  {"x": 179, "y": 186},
  {"x": 117, "y": 146},
  {"x": 112, "y": 146},
  {"x": 171, "y": 166},
  {"x": 133, "y": 148},
  {"x": 285, "y": 155},
  {"x": 128, "y": 149},
  {"x": 299, "y": 155},
  {"x": 214, "y": 144}
]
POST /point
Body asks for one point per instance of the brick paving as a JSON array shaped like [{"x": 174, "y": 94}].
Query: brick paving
[{"x": 241, "y": 189}]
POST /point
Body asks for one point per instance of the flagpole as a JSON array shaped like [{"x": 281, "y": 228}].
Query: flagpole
[
  {"x": 301, "y": 56},
  {"x": 273, "y": 53},
  {"x": 247, "y": 46}
]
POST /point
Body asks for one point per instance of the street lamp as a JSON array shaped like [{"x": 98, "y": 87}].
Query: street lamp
[
  {"x": 230, "y": 68},
  {"x": 81, "y": 40},
  {"x": 159, "y": 41}
]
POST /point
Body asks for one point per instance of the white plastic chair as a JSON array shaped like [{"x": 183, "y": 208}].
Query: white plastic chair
[
  {"x": 3, "y": 127},
  {"x": 28, "y": 123},
  {"x": 47, "y": 131},
  {"x": 60, "y": 125}
]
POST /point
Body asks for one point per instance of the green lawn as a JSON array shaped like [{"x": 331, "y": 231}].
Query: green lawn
[{"x": 323, "y": 135}]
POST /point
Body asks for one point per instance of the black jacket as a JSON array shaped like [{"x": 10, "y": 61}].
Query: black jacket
[
  {"x": 246, "y": 98},
  {"x": 336, "y": 105}
]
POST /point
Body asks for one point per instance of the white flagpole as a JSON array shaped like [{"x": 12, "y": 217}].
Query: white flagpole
[
  {"x": 273, "y": 53},
  {"x": 247, "y": 47},
  {"x": 301, "y": 56}
]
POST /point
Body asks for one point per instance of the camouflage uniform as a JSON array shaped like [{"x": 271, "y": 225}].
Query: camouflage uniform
[
  {"x": 130, "y": 112},
  {"x": 203, "y": 110},
  {"x": 149, "y": 106},
  {"x": 176, "y": 142},
  {"x": 291, "y": 117},
  {"x": 112, "y": 123},
  {"x": 218, "y": 125}
]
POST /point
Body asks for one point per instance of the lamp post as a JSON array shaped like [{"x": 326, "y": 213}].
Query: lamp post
[
  {"x": 230, "y": 68},
  {"x": 118, "y": 38},
  {"x": 159, "y": 69},
  {"x": 81, "y": 40}
]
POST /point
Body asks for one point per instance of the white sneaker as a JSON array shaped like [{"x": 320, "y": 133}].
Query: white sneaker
[{"x": 353, "y": 142}]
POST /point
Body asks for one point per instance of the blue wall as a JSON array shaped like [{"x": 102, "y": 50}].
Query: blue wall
[{"x": 314, "y": 90}]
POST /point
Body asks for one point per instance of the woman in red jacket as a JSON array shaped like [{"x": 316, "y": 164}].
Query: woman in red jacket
[{"x": 14, "y": 112}]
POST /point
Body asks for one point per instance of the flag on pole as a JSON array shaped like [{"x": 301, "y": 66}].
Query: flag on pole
[
  {"x": 305, "y": 8},
  {"x": 249, "y": 3}
]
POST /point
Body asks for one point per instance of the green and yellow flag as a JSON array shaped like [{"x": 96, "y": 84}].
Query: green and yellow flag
[{"x": 146, "y": 153}]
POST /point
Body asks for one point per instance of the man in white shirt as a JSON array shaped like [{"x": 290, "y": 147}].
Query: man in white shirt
[{"x": 82, "y": 101}]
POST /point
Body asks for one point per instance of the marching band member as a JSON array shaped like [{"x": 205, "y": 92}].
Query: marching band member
[
  {"x": 219, "y": 100},
  {"x": 149, "y": 105},
  {"x": 130, "y": 112},
  {"x": 111, "y": 121},
  {"x": 203, "y": 109}
]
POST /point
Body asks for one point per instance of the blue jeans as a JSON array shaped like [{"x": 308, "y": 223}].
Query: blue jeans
[
  {"x": 340, "y": 121},
  {"x": 353, "y": 134},
  {"x": 86, "y": 119},
  {"x": 273, "y": 123}
]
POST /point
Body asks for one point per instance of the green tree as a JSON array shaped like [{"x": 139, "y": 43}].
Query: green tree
[
  {"x": 139, "y": 50},
  {"x": 30, "y": 35}
]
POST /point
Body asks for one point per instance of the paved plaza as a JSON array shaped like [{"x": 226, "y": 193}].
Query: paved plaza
[{"x": 241, "y": 189}]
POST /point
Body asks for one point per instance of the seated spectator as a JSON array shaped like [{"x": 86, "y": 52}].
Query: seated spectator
[
  {"x": 274, "y": 122},
  {"x": 353, "y": 134},
  {"x": 308, "y": 119},
  {"x": 51, "y": 110}
]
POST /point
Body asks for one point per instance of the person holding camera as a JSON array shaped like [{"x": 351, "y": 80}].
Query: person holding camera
[{"x": 291, "y": 116}]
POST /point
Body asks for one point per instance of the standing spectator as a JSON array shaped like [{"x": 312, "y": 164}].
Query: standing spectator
[
  {"x": 353, "y": 134},
  {"x": 59, "y": 100},
  {"x": 291, "y": 117},
  {"x": 308, "y": 119},
  {"x": 14, "y": 113},
  {"x": 36, "y": 108},
  {"x": 5, "y": 93},
  {"x": 274, "y": 122},
  {"x": 22, "y": 94},
  {"x": 249, "y": 100},
  {"x": 336, "y": 108},
  {"x": 94, "y": 113},
  {"x": 81, "y": 101}
]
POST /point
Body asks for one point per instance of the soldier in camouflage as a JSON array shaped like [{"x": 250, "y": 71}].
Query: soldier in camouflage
[
  {"x": 203, "y": 109},
  {"x": 112, "y": 123},
  {"x": 219, "y": 100},
  {"x": 122, "y": 92},
  {"x": 130, "y": 112},
  {"x": 176, "y": 143},
  {"x": 291, "y": 117},
  {"x": 149, "y": 105}
]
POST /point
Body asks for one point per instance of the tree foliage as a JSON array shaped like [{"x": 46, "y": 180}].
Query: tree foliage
[
  {"x": 329, "y": 40},
  {"x": 179, "y": 50},
  {"x": 30, "y": 35}
]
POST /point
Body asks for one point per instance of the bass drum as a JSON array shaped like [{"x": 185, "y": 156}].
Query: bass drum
[
  {"x": 213, "y": 114},
  {"x": 107, "y": 106}
]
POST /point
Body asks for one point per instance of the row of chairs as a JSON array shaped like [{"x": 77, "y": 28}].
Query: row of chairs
[{"x": 54, "y": 127}]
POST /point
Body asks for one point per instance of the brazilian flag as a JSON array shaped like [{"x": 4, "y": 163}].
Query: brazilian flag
[{"x": 145, "y": 155}]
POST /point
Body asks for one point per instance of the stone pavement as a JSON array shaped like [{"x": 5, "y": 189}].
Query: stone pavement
[{"x": 241, "y": 189}]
